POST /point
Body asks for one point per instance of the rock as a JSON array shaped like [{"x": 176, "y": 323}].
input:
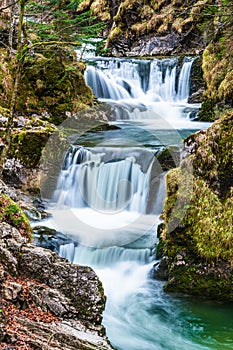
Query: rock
[
  {"x": 8, "y": 191},
  {"x": 155, "y": 45},
  {"x": 196, "y": 97},
  {"x": 212, "y": 147},
  {"x": 8, "y": 261},
  {"x": 78, "y": 283},
  {"x": 2, "y": 327},
  {"x": 161, "y": 270},
  {"x": 13, "y": 171},
  {"x": 197, "y": 234},
  {"x": 168, "y": 157},
  {"x": 49, "y": 238},
  {"x": 61, "y": 335},
  {"x": 151, "y": 28},
  {"x": 53, "y": 302},
  {"x": 11, "y": 291}
]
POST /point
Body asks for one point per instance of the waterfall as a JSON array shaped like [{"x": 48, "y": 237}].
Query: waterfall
[
  {"x": 104, "y": 179},
  {"x": 163, "y": 80},
  {"x": 105, "y": 256},
  {"x": 109, "y": 198},
  {"x": 183, "y": 85},
  {"x": 151, "y": 80},
  {"x": 103, "y": 86}
]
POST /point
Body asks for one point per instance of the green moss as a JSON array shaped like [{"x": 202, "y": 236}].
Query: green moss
[
  {"x": 169, "y": 158},
  {"x": 207, "y": 111},
  {"x": 195, "y": 281},
  {"x": 27, "y": 146},
  {"x": 198, "y": 234},
  {"x": 213, "y": 159},
  {"x": 52, "y": 82},
  {"x": 11, "y": 213},
  {"x": 217, "y": 68},
  {"x": 198, "y": 220},
  {"x": 115, "y": 34},
  {"x": 4, "y": 111}
]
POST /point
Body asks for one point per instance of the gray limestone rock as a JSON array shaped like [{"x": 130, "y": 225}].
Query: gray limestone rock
[{"x": 31, "y": 275}]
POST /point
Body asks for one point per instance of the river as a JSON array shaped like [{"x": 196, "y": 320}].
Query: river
[{"x": 109, "y": 197}]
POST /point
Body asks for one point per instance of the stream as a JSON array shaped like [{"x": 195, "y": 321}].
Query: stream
[{"x": 108, "y": 200}]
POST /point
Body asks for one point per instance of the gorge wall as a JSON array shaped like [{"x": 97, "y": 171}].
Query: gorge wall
[
  {"x": 144, "y": 28},
  {"x": 197, "y": 235}
]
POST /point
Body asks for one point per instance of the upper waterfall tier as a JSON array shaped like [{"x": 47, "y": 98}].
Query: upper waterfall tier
[{"x": 151, "y": 80}]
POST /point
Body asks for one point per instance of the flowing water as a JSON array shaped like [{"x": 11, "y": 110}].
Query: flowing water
[{"x": 109, "y": 197}]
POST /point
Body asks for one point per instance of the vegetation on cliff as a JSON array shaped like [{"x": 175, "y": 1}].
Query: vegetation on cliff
[
  {"x": 156, "y": 27},
  {"x": 198, "y": 235},
  {"x": 217, "y": 65}
]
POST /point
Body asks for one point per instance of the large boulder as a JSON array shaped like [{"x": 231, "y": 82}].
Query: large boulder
[
  {"x": 197, "y": 234},
  {"x": 45, "y": 300}
]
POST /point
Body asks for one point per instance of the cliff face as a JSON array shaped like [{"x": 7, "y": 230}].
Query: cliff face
[
  {"x": 217, "y": 68},
  {"x": 198, "y": 237},
  {"x": 45, "y": 301},
  {"x": 142, "y": 28}
]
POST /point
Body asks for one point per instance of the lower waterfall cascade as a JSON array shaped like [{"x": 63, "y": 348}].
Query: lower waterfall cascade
[{"x": 108, "y": 201}]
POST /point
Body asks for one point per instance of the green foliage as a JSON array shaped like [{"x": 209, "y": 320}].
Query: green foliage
[
  {"x": 210, "y": 223},
  {"x": 11, "y": 213},
  {"x": 199, "y": 205},
  {"x": 207, "y": 111},
  {"x": 53, "y": 82},
  {"x": 218, "y": 60},
  {"x": 63, "y": 24}
]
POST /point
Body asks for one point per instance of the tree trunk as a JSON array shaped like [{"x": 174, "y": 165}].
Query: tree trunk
[{"x": 17, "y": 78}]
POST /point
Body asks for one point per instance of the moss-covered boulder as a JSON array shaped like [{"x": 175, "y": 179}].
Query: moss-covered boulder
[
  {"x": 211, "y": 155},
  {"x": 198, "y": 235},
  {"x": 27, "y": 146},
  {"x": 52, "y": 84},
  {"x": 12, "y": 214}
]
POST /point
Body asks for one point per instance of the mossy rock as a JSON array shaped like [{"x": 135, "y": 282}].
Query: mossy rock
[
  {"x": 52, "y": 82},
  {"x": 217, "y": 66},
  {"x": 202, "y": 282},
  {"x": 197, "y": 237},
  {"x": 213, "y": 155},
  {"x": 56, "y": 87},
  {"x": 207, "y": 110},
  {"x": 197, "y": 83},
  {"x": 169, "y": 158},
  {"x": 27, "y": 146},
  {"x": 11, "y": 213}
]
